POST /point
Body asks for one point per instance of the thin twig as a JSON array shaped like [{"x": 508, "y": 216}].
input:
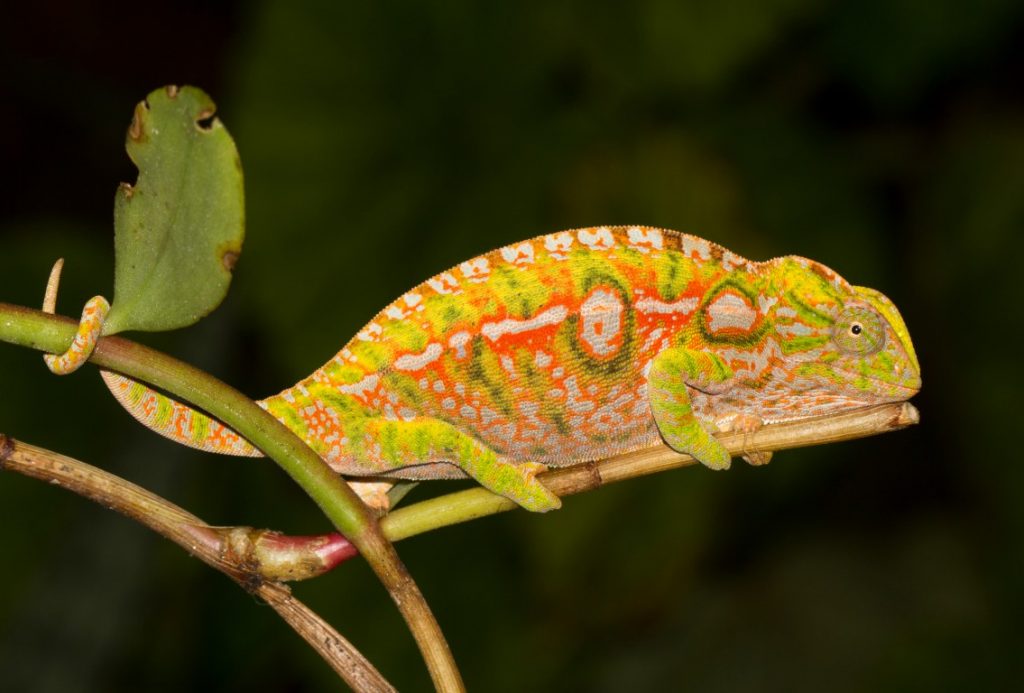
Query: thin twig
[
  {"x": 209, "y": 544},
  {"x": 478, "y": 502}
]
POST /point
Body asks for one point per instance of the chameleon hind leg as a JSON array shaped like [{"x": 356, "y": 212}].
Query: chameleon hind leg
[
  {"x": 425, "y": 440},
  {"x": 672, "y": 370}
]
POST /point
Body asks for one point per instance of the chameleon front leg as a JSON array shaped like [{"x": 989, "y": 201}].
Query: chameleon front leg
[
  {"x": 425, "y": 440},
  {"x": 672, "y": 370}
]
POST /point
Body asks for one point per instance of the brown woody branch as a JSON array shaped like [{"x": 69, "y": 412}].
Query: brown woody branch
[{"x": 234, "y": 551}]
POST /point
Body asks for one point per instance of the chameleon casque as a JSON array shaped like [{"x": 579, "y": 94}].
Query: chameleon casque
[{"x": 571, "y": 347}]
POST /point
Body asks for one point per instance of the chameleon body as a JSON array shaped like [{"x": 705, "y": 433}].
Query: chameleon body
[{"x": 575, "y": 346}]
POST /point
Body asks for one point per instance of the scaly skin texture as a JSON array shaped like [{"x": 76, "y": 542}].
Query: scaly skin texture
[{"x": 575, "y": 346}]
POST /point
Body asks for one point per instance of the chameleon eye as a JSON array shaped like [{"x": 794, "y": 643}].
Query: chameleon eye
[{"x": 859, "y": 330}]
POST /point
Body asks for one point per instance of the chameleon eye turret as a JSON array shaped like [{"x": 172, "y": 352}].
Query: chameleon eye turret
[{"x": 859, "y": 330}]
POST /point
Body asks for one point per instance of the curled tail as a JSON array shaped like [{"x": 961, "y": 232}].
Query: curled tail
[{"x": 174, "y": 420}]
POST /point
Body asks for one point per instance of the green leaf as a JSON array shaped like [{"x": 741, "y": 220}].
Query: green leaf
[{"x": 178, "y": 231}]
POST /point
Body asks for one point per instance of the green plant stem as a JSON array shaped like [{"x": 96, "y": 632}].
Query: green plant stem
[{"x": 37, "y": 330}]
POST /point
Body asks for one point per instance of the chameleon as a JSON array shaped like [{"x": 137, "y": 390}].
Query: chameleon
[{"x": 567, "y": 348}]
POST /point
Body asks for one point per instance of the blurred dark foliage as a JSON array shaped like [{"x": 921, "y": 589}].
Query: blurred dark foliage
[{"x": 384, "y": 142}]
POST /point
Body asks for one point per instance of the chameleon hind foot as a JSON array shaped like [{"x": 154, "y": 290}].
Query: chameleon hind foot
[
  {"x": 518, "y": 483},
  {"x": 90, "y": 326},
  {"x": 427, "y": 440}
]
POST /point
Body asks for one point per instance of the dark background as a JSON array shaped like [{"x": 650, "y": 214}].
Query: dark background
[{"x": 381, "y": 145}]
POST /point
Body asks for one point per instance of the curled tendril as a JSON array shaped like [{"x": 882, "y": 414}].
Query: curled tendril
[{"x": 90, "y": 326}]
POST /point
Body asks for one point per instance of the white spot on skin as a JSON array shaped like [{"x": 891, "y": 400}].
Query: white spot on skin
[
  {"x": 552, "y": 316},
  {"x": 542, "y": 359},
  {"x": 645, "y": 240},
  {"x": 439, "y": 386},
  {"x": 458, "y": 342},
  {"x": 529, "y": 408},
  {"x": 395, "y": 313},
  {"x": 764, "y": 303},
  {"x": 601, "y": 321},
  {"x": 597, "y": 239},
  {"x": 448, "y": 403},
  {"x": 520, "y": 254},
  {"x": 416, "y": 362},
  {"x": 476, "y": 270},
  {"x": 508, "y": 364},
  {"x": 575, "y": 402},
  {"x": 730, "y": 312},
  {"x": 683, "y": 306},
  {"x": 444, "y": 283},
  {"x": 693, "y": 246},
  {"x": 468, "y": 413},
  {"x": 370, "y": 332},
  {"x": 558, "y": 244},
  {"x": 731, "y": 261}
]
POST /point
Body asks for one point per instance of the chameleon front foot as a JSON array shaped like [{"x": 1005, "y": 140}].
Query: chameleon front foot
[
  {"x": 745, "y": 423},
  {"x": 671, "y": 371}
]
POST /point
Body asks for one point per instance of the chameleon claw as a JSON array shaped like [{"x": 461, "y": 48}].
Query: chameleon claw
[
  {"x": 746, "y": 424},
  {"x": 89, "y": 327}
]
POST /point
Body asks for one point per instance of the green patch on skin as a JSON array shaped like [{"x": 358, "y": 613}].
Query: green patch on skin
[
  {"x": 521, "y": 293},
  {"x": 164, "y": 409},
  {"x": 798, "y": 344},
  {"x": 672, "y": 274},
  {"x": 590, "y": 269},
  {"x": 443, "y": 313},
  {"x": 288, "y": 415},
  {"x": 346, "y": 374},
  {"x": 200, "y": 426},
  {"x": 405, "y": 335},
  {"x": 405, "y": 387},
  {"x": 485, "y": 371},
  {"x": 809, "y": 315},
  {"x": 372, "y": 356},
  {"x": 136, "y": 391},
  {"x": 421, "y": 443},
  {"x": 819, "y": 370},
  {"x": 540, "y": 385},
  {"x": 883, "y": 363},
  {"x": 387, "y": 436},
  {"x": 344, "y": 406}
]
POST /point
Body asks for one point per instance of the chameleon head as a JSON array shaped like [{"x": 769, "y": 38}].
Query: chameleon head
[
  {"x": 857, "y": 345},
  {"x": 874, "y": 348}
]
